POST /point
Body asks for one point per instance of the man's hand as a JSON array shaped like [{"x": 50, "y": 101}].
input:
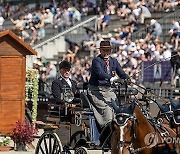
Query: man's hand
[{"x": 114, "y": 79}]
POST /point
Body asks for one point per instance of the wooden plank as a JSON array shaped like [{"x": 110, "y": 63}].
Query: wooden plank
[
  {"x": 9, "y": 49},
  {"x": 23, "y": 77},
  {"x": 12, "y": 78},
  {"x": 11, "y": 112},
  {"x": 11, "y": 99},
  {"x": 0, "y": 96},
  {"x": 11, "y": 68},
  {"x": 11, "y": 60},
  {"x": 11, "y": 90},
  {"x": 8, "y": 80},
  {"x": 11, "y": 73}
]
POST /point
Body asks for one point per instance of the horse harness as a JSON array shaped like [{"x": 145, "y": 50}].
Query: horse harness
[
  {"x": 122, "y": 119},
  {"x": 133, "y": 134},
  {"x": 125, "y": 120}
]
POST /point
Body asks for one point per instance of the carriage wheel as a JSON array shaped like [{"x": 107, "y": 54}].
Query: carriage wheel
[
  {"x": 78, "y": 139},
  {"x": 81, "y": 150},
  {"x": 49, "y": 143}
]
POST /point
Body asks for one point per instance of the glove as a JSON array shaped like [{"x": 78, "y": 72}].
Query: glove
[{"x": 114, "y": 79}]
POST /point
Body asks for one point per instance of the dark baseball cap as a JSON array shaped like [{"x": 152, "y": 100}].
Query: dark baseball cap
[{"x": 64, "y": 64}]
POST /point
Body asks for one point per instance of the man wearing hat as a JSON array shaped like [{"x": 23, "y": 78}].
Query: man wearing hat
[
  {"x": 103, "y": 73},
  {"x": 156, "y": 29},
  {"x": 64, "y": 81}
]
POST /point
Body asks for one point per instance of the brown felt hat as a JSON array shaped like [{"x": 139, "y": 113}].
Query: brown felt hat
[{"x": 105, "y": 45}]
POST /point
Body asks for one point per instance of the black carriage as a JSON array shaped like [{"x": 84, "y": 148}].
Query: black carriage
[
  {"x": 78, "y": 132},
  {"x": 69, "y": 126}
]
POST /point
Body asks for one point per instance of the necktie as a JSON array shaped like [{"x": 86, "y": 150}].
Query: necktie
[{"x": 107, "y": 65}]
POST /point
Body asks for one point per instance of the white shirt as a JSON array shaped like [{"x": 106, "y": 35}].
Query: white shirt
[
  {"x": 167, "y": 54},
  {"x": 67, "y": 80},
  {"x": 145, "y": 11},
  {"x": 136, "y": 12}
]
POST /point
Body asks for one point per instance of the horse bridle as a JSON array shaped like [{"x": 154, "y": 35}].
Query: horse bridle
[
  {"x": 122, "y": 143},
  {"x": 133, "y": 134}
]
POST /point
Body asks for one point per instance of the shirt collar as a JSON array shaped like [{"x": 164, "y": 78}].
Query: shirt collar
[{"x": 67, "y": 80}]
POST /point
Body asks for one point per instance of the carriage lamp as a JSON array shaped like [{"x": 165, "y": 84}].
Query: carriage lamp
[{"x": 68, "y": 96}]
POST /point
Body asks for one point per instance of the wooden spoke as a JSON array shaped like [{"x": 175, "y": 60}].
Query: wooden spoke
[{"x": 49, "y": 143}]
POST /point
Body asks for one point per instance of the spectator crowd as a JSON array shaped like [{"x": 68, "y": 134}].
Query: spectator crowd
[
  {"x": 130, "y": 53},
  {"x": 31, "y": 24}
]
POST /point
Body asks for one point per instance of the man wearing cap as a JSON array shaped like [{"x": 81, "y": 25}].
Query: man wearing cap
[
  {"x": 103, "y": 73},
  {"x": 156, "y": 30},
  {"x": 63, "y": 81}
]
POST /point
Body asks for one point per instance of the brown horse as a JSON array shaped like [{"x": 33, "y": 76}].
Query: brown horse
[
  {"x": 138, "y": 135},
  {"x": 169, "y": 123},
  {"x": 169, "y": 116}
]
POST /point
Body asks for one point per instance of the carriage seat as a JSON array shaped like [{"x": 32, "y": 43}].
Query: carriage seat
[
  {"x": 84, "y": 95},
  {"x": 85, "y": 100}
]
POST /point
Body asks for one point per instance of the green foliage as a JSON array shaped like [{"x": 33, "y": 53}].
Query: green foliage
[
  {"x": 4, "y": 141},
  {"x": 32, "y": 87}
]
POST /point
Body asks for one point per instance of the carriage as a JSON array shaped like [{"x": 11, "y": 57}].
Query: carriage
[
  {"x": 79, "y": 133},
  {"x": 69, "y": 126},
  {"x": 64, "y": 133}
]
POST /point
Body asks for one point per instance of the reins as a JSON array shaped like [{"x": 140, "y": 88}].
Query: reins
[
  {"x": 130, "y": 147},
  {"x": 148, "y": 91},
  {"x": 149, "y": 67},
  {"x": 133, "y": 134},
  {"x": 155, "y": 64}
]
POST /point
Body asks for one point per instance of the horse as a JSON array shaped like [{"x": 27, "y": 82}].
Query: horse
[
  {"x": 169, "y": 114},
  {"x": 134, "y": 133}
]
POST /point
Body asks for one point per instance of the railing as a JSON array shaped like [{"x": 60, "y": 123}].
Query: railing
[
  {"x": 140, "y": 34},
  {"x": 166, "y": 92},
  {"x": 65, "y": 32}
]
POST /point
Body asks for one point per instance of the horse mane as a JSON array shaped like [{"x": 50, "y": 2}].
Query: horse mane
[{"x": 141, "y": 119}]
